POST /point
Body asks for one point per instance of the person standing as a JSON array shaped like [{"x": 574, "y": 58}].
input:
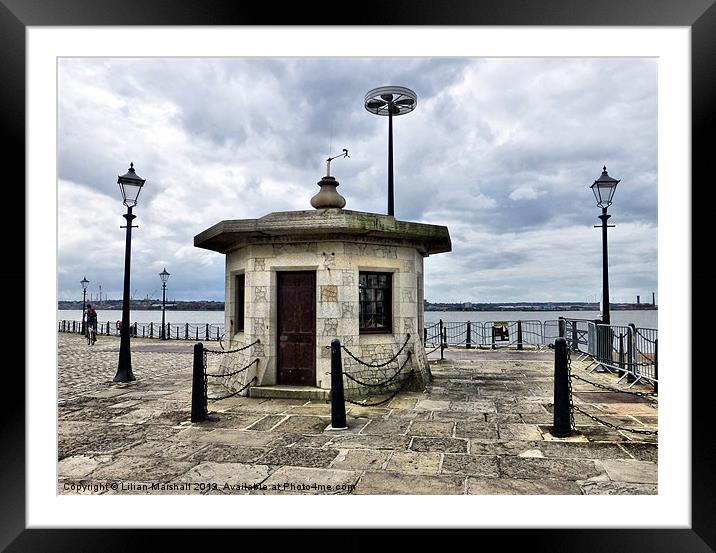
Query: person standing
[{"x": 91, "y": 319}]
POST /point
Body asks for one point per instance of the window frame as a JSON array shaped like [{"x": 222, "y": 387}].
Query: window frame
[
  {"x": 240, "y": 302},
  {"x": 387, "y": 302}
]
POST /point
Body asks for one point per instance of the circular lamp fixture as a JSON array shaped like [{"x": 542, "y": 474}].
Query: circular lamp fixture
[{"x": 391, "y": 100}]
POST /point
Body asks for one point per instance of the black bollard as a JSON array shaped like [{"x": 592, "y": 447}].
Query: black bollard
[
  {"x": 338, "y": 403},
  {"x": 519, "y": 334},
  {"x": 425, "y": 336},
  {"x": 562, "y": 410},
  {"x": 468, "y": 338},
  {"x": 562, "y": 327},
  {"x": 198, "y": 397}
]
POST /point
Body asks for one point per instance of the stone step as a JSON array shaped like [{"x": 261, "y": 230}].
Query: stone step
[{"x": 282, "y": 391}]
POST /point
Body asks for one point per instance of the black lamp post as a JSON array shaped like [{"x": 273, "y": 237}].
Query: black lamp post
[
  {"x": 130, "y": 184},
  {"x": 164, "y": 276},
  {"x": 390, "y": 101},
  {"x": 84, "y": 282},
  {"x": 604, "y": 188}
]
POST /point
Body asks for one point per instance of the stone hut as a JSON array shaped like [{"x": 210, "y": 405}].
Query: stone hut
[{"x": 296, "y": 280}]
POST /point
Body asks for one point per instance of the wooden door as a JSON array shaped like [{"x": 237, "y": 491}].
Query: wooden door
[{"x": 296, "y": 328}]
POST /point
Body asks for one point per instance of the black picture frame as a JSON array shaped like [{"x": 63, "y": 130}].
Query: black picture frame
[{"x": 698, "y": 15}]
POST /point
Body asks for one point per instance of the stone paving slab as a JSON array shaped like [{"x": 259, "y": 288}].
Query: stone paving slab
[
  {"x": 511, "y": 486},
  {"x": 300, "y": 480},
  {"x": 394, "y": 483},
  {"x": 483, "y": 426},
  {"x": 410, "y": 462}
]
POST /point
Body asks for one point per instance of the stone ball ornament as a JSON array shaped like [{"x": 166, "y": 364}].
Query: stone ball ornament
[{"x": 328, "y": 196}]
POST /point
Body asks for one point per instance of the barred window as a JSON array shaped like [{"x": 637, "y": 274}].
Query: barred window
[{"x": 374, "y": 295}]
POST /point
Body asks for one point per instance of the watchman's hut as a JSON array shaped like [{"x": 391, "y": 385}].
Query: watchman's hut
[{"x": 296, "y": 280}]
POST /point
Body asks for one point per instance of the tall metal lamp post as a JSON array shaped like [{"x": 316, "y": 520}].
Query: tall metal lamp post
[
  {"x": 131, "y": 185},
  {"x": 164, "y": 276},
  {"x": 84, "y": 282},
  {"x": 603, "y": 189},
  {"x": 390, "y": 101}
]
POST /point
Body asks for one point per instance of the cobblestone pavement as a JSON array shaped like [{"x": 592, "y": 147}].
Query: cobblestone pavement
[{"x": 482, "y": 427}]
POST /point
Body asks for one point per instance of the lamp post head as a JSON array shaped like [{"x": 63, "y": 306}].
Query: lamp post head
[
  {"x": 604, "y": 188},
  {"x": 164, "y": 275},
  {"x": 84, "y": 282},
  {"x": 131, "y": 185},
  {"x": 390, "y": 100}
]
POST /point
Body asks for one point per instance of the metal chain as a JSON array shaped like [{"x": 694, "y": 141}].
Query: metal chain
[
  {"x": 405, "y": 382},
  {"x": 377, "y": 366},
  {"x": 214, "y": 351},
  {"x": 206, "y": 386},
  {"x": 233, "y": 373},
  {"x": 233, "y": 393},
  {"x": 617, "y": 427},
  {"x": 379, "y": 384},
  {"x": 432, "y": 350},
  {"x": 647, "y": 395},
  {"x": 573, "y": 407},
  {"x": 569, "y": 385}
]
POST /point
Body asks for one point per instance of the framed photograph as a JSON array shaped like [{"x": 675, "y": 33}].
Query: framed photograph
[{"x": 226, "y": 107}]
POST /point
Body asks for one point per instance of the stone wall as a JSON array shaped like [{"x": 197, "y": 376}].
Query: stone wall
[{"x": 337, "y": 265}]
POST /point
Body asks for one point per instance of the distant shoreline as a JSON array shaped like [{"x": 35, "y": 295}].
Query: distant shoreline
[{"x": 219, "y": 306}]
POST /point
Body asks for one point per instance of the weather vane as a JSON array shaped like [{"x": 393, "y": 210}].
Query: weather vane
[{"x": 328, "y": 161}]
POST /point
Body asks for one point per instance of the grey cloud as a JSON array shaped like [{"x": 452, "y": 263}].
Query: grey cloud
[{"x": 238, "y": 138}]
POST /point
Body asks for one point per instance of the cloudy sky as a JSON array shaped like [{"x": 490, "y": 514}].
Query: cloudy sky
[{"x": 500, "y": 150}]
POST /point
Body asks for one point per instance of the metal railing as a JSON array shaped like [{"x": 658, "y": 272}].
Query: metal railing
[
  {"x": 490, "y": 334},
  {"x": 172, "y": 331},
  {"x": 630, "y": 351},
  {"x": 626, "y": 349}
]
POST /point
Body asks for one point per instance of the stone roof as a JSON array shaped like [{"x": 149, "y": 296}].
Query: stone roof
[{"x": 323, "y": 224}]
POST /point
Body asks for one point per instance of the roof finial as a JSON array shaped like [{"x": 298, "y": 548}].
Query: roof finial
[{"x": 604, "y": 168}]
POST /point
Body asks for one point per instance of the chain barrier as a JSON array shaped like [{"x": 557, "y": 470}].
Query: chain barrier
[
  {"x": 385, "y": 382},
  {"x": 217, "y": 398},
  {"x": 573, "y": 407},
  {"x": 379, "y": 365},
  {"x": 234, "y": 373},
  {"x": 569, "y": 387},
  {"x": 218, "y": 352},
  {"x": 432, "y": 350},
  {"x": 647, "y": 395},
  {"x": 616, "y": 426},
  {"x": 402, "y": 386},
  {"x": 207, "y": 375}
]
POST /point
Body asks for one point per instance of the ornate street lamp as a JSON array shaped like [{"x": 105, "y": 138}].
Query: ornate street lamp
[
  {"x": 603, "y": 189},
  {"x": 164, "y": 276},
  {"x": 84, "y": 282},
  {"x": 390, "y": 101},
  {"x": 131, "y": 185}
]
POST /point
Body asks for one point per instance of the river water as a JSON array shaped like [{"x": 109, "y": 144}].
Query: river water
[{"x": 641, "y": 318}]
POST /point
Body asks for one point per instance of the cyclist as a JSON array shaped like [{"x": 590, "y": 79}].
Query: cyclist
[{"x": 91, "y": 324}]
